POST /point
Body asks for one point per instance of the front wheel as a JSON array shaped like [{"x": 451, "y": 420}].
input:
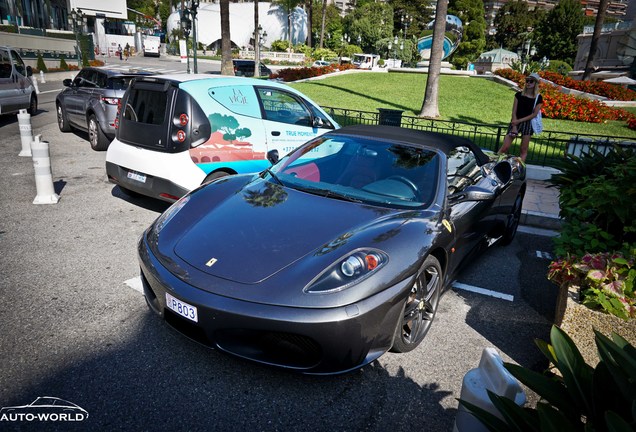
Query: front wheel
[
  {"x": 97, "y": 138},
  {"x": 419, "y": 308},
  {"x": 33, "y": 105}
]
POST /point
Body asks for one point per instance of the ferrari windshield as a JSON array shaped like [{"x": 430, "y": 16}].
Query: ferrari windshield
[{"x": 362, "y": 170}]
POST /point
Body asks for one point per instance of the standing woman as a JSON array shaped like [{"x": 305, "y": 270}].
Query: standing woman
[{"x": 527, "y": 105}]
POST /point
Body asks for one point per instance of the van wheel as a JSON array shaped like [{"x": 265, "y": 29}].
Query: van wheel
[
  {"x": 97, "y": 138},
  {"x": 215, "y": 175},
  {"x": 33, "y": 105},
  {"x": 62, "y": 121}
]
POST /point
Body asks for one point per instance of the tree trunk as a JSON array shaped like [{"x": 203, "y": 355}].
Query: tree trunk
[
  {"x": 257, "y": 43},
  {"x": 429, "y": 106},
  {"x": 598, "y": 25},
  {"x": 310, "y": 19},
  {"x": 227, "y": 68},
  {"x": 322, "y": 24}
]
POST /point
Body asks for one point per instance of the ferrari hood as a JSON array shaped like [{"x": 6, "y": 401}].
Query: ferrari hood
[{"x": 265, "y": 227}]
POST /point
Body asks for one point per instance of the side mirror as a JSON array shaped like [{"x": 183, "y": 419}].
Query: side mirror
[
  {"x": 67, "y": 82},
  {"x": 503, "y": 171},
  {"x": 29, "y": 71},
  {"x": 472, "y": 193},
  {"x": 272, "y": 156},
  {"x": 317, "y": 122}
]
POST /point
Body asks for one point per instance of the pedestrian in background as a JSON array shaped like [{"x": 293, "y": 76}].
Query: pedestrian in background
[
  {"x": 119, "y": 52},
  {"x": 526, "y": 106}
]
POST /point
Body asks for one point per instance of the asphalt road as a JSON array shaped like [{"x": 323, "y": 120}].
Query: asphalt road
[{"x": 74, "y": 327}]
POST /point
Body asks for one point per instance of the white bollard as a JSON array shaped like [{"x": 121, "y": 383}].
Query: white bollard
[
  {"x": 35, "y": 85},
  {"x": 43, "y": 177},
  {"x": 490, "y": 375},
  {"x": 26, "y": 135},
  {"x": 42, "y": 77}
]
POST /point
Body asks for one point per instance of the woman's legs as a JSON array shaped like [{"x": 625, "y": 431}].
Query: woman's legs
[
  {"x": 525, "y": 143},
  {"x": 506, "y": 144}
]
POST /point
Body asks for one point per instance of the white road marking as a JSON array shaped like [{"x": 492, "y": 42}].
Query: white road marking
[
  {"x": 483, "y": 291},
  {"x": 544, "y": 255},
  {"x": 135, "y": 283}
]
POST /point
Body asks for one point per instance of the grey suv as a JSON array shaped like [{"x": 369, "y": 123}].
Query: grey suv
[{"x": 90, "y": 102}]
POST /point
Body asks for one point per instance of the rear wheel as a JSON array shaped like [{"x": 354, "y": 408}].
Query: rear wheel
[
  {"x": 215, "y": 175},
  {"x": 512, "y": 222},
  {"x": 97, "y": 138},
  {"x": 419, "y": 308},
  {"x": 62, "y": 120},
  {"x": 33, "y": 105}
]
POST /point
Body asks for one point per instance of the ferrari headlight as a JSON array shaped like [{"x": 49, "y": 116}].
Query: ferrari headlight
[
  {"x": 165, "y": 217},
  {"x": 348, "y": 271}
]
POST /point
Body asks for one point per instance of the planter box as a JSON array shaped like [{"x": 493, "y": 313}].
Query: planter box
[{"x": 578, "y": 322}]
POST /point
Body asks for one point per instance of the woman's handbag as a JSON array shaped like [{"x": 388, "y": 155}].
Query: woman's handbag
[{"x": 536, "y": 122}]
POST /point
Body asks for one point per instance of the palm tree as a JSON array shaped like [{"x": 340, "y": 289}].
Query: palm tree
[
  {"x": 257, "y": 43},
  {"x": 288, "y": 6},
  {"x": 322, "y": 24},
  {"x": 429, "y": 106},
  {"x": 598, "y": 25},
  {"x": 227, "y": 68}
]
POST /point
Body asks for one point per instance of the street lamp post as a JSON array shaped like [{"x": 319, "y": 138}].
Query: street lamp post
[
  {"x": 75, "y": 19},
  {"x": 259, "y": 40},
  {"x": 186, "y": 25},
  {"x": 395, "y": 46},
  {"x": 406, "y": 21},
  {"x": 193, "y": 13}
]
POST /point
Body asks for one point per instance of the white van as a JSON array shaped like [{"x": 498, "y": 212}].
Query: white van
[
  {"x": 16, "y": 88},
  {"x": 176, "y": 132},
  {"x": 152, "y": 44}
]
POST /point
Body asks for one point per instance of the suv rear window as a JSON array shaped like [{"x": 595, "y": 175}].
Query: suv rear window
[{"x": 118, "y": 83}]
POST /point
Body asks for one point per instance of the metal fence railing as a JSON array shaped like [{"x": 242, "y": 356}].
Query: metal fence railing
[{"x": 545, "y": 149}]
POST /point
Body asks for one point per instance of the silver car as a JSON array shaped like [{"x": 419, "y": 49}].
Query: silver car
[
  {"x": 16, "y": 88},
  {"x": 90, "y": 102}
]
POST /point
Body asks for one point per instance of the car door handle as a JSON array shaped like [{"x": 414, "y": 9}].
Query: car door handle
[{"x": 275, "y": 133}]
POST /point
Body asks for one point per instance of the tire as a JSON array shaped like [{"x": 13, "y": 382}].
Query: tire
[
  {"x": 33, "y": 105},
  {"x": 512, "y": 223},
  {"x": 62, "y": 120},
  {"x": 419, "y": 307},
  {"x": 99, "y": 141},
  {"x": 215, "y": 175}
]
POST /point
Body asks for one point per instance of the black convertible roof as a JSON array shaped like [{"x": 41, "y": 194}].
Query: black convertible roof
[{"x": 443, "y": 142}]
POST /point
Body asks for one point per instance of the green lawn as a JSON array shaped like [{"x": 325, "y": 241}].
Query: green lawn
[{"x": 461, "y": 98}]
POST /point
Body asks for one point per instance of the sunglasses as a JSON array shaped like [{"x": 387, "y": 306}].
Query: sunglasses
[{"x": 529, "y": 81}]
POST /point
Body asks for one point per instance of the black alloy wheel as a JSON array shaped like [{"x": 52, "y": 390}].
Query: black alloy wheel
[{"x": 420, "y": 307}]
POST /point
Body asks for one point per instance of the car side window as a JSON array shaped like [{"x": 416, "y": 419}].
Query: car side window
[
  {"x": 462, "y": 170},
  {"x": 283, "y": 107},
  {"x": 19, "y": 64},
  {"x": 101, "y": 80},
  {"x": 5, "y": 64}
]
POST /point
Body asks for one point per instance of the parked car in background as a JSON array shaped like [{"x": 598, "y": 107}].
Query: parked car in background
[
  {"x": 320, "y": 63},
  {"x": 90, "y": 102},
  {"x": 16, "y": 88},
  {"x": 179, "y": 131},
  {"x": 246, "y": 68},
  {"x": 337, "y": 253},
  {"x": 151, "y": 46}
]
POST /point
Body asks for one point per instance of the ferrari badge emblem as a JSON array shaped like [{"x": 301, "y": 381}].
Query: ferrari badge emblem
[
  {"x": 447, "y": 225},
  {"x": 211, "y": 262}
]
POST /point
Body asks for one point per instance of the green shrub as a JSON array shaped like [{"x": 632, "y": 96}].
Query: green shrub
[
  {"x": 280, "y": 46},
  {"x": 559, "y": 67},
  {"x": 579, "y": 398},
  {"x": 41, "y": 66},
  {"x": 597, "y": 197},
  {"x": 63, "y": 64},
  {"x": 324, "y": 53}
]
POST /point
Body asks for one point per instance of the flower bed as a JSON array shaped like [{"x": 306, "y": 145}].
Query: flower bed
[{"x": 295, "y": 74}]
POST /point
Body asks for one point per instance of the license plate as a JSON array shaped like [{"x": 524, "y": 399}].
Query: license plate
[
  {"x": 134, "y": 175},
  {"x": 182, "y": 308}
]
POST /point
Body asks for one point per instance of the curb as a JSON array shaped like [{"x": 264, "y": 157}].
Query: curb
[{"x": 541, "y": 220}]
